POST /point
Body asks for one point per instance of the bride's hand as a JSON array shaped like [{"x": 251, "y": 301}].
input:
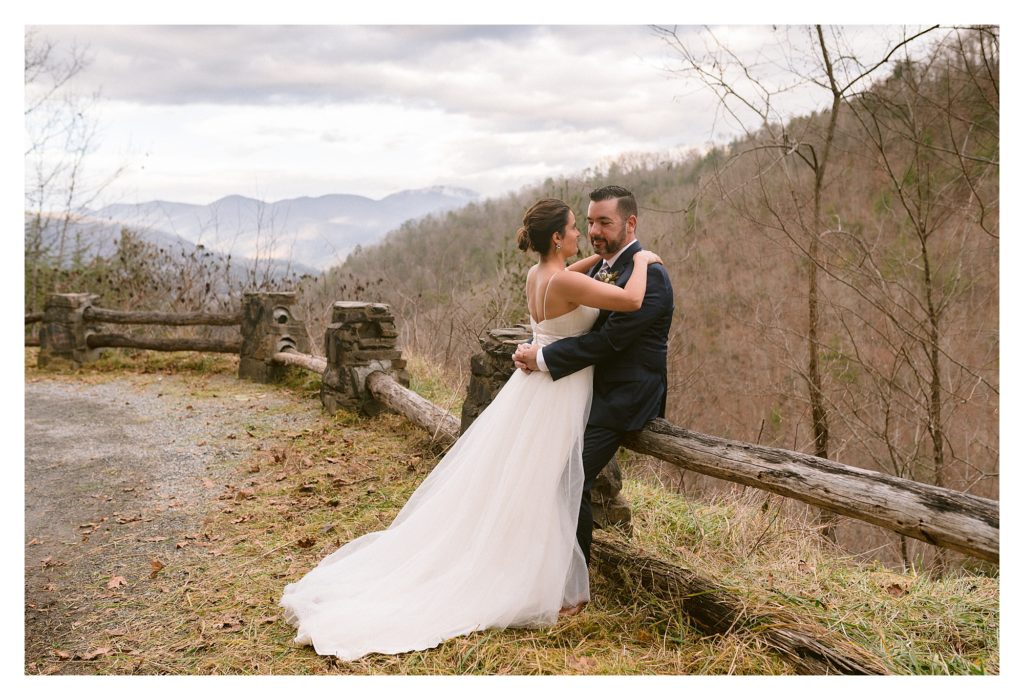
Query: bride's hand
[{"x": 648, "y": 257}]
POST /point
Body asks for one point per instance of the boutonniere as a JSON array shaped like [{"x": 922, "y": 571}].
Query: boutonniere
[{"x": 608, "y": 276}]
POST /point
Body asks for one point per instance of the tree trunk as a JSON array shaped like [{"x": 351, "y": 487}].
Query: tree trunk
[
  {"x": 310, "y": 362},
  {"x": 423, "y": 413},
  {"x": 198, "y": 318},
  {"x": 810, "y": 648},
  {"x": 105, "y": 340},
  {"x": 939, "y": 516}
]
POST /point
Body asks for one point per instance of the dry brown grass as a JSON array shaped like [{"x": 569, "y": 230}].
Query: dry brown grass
[{"x": 215, "y": 610}]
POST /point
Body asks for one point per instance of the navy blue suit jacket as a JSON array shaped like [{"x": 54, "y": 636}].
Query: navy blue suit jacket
[{"x": 629, "y": 352}]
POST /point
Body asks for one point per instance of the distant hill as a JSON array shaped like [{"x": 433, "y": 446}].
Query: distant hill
[
  {"x": 93, "y": 237},
  {"x": 312, "y": 232}
]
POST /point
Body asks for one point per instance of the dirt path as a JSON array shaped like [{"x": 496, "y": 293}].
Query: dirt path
[{"x": 119, "y": 473}]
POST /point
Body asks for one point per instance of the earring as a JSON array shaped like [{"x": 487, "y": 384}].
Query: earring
[{"x": 558, "y": 246}]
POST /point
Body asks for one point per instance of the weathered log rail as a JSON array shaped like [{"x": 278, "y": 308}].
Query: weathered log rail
[
  {"x": 429, "y": 416},
  {"x": 301, "y": 359},
  {"x": 710, "y": 608},
  {"x": 113, "y": 340},
  {"x": 196, "y": 318},
  {"x": 939, "y": 516}
]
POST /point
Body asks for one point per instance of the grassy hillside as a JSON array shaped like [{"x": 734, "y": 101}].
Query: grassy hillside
[
  {"x": 212, "y": 609},
  {"x": 907, "y": 264}
]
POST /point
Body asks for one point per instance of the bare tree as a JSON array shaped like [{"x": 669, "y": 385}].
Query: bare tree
[
  {"x": 745, "y": 94},
  {"x": 60, "y": 134},
  {"x": 932, "y": 128}
]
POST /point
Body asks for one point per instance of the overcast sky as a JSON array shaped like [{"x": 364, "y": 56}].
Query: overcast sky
[{"x": 194, "y": 113}]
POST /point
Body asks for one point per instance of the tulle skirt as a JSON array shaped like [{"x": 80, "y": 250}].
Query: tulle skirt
[{"x": 488, "y": 540}]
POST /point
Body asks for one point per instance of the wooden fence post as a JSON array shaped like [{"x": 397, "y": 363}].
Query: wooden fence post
[
  {"x": 62, "y": 335},
  {"x": 489, "y": 372},
  {"x": 268, "y": 327},
  {"x": 361, "y": 339}
]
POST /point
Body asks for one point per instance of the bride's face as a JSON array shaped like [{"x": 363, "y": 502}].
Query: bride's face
[{"x": 571, "y": 240}]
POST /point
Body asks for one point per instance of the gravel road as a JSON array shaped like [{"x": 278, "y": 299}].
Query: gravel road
[{"x": 111, "y": 466}]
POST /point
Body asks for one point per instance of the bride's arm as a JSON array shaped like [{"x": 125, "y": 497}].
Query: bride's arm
[
  {"x": 581, "y": 289},
  {"x": 584, "y": 264}
]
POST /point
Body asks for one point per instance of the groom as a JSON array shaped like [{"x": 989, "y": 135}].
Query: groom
[{"x": 628, "y": 350}]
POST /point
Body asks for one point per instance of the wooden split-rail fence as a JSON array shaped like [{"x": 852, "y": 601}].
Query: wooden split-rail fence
[{"x": 363, "y": 370}]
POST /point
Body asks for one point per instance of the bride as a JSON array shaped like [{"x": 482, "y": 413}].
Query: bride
[{"x": 488, "y": 540}]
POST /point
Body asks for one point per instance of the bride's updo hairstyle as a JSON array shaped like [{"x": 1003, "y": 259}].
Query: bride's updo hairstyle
[{"x": 545, "y": 217}]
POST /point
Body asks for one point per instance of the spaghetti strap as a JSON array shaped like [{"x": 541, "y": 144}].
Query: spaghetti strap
[{"x": 544, "y": 303}]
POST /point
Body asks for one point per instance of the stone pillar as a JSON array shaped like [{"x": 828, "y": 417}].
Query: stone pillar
[
  {"x": 361, "y": 339},
  {"x": 489, "y": 372},
  {"x": 62, "y": 335},
  {"x": 268, "y": 327}
]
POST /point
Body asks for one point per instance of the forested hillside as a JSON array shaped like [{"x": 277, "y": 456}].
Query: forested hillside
[{"x": 836, "y": 276}]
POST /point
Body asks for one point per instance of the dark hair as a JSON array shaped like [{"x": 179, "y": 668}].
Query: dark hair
[
  {"x": 545, "y": 217},
  {"x": 626, "y": 204}
]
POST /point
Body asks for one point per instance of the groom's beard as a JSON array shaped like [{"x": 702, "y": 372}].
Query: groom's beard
[{"x": 610, "y": 247}]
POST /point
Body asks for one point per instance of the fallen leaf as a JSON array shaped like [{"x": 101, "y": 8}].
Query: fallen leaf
[
  {"x": 116, "y": 582},
  {"x": 804, "y": 568},
  {"x": 34, "y": 541},
  {"x": 281, "y": 477},
  {"x": 331, "y": 460},
  {"x": 61, "y": 653},
  {"x": 181, "y": 545},
  {"x": 95, "y": 653},
  {"x": 268, "y": 620},
  {"x": 896, "y": 590},
  {"x": 208, "y": 483},
  {"x": 50, "y": 562},
  {"x": 229, "y": 624},
  {"x": 154, "y": 539},
  {"x": 129, "y": 489},
  {"x": 307, "y": 462},
  {"x": 155, "y": 565},
  {"x": 583, "y": 664},
  {"x": 254, "y": 469},
  {"x": 306, "y": 542}
]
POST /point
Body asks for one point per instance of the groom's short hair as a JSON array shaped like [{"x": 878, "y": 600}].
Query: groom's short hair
[{"x": 626, "y": 204}]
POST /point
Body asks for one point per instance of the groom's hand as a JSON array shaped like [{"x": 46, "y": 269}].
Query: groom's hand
[{"x": 525, "y": 357}]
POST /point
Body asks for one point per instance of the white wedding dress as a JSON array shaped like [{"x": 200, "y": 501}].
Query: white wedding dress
[{"x": 488, "y": 540}]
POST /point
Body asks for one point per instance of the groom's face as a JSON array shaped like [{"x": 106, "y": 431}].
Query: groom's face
[{"x": 607, "y": 229}]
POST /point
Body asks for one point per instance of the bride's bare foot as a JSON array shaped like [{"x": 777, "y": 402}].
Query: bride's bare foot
[{"x": 572, "y": 610}]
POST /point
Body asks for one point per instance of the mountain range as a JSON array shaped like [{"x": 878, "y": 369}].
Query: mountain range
[{"x": 313, "y": 233}]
